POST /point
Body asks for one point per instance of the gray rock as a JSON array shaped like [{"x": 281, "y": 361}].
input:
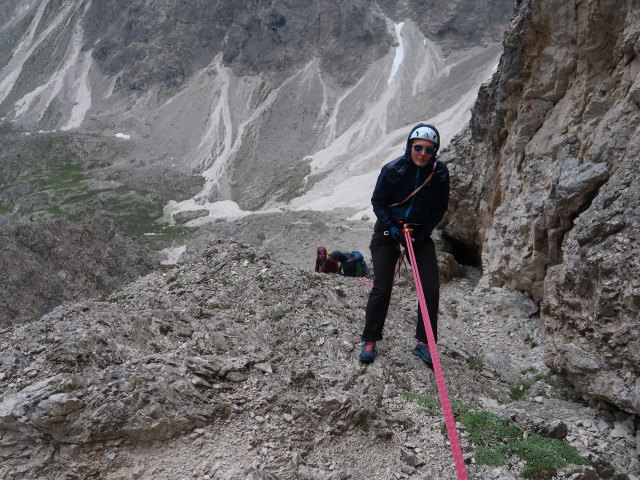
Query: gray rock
[
  {"x": 184, "y": 217},
  {"x": 549, "y": 195},
  {"x": 47, "y": 264}
]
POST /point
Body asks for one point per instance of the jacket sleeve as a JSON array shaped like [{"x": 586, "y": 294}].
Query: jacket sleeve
[
  {"x": 441, "y": 198},
  {"x": 381, "y": 199}
]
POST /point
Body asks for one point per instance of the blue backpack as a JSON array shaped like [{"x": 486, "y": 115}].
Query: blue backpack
[{"x": 355, "y": 266}]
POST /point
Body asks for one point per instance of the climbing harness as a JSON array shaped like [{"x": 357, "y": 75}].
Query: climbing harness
[{"x": 437, "y": 367}]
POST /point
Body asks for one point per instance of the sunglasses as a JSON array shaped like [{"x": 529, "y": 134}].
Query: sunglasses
[{"x": 429, "y": 150}]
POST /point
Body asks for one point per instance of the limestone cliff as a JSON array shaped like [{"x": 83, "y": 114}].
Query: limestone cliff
[{"x": 545, "y": 185}]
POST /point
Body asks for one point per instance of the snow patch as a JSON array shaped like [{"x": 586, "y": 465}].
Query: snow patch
[
  {"x": 353, "y": 192},
  {"x": 222, "y": 210},
  {"x": 397, "y": 60},
  {"x": 123, "y": 135}
]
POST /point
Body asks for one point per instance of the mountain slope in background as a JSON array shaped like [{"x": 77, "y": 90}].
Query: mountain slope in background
[
  {"x": 193, "y": 113},
  {"x": 270, "y": 102}
]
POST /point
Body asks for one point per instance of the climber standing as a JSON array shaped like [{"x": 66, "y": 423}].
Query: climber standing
[{"x": 412, "y": 189}]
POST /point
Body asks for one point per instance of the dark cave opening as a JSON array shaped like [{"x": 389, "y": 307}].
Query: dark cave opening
[{"x": 464, "y": 253}]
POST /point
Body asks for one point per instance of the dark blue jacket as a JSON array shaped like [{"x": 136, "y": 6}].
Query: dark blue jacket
[
  {"x": 349, "y": 263},
  {"x": 347, "y": 268},
  {"x": 397, "y": 180}
]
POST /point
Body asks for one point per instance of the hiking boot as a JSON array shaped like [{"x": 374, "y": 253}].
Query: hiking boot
[
  {"x": 422, "y": 351},
  {"x": 368, "y": 352}
]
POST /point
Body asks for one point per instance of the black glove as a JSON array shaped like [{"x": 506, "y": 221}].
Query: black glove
[{"x": 397, "y": 235}]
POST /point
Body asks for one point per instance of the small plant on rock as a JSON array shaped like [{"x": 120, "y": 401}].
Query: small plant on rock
[
  {"x": 139, "y": 381},
  {"x": 476, "y": 364},
  {"x": 497, "y": 439},
  {"x": 432, "y": 406},
  {"x": 166, "y": 329},
  {"x": 518, "y": 390}
]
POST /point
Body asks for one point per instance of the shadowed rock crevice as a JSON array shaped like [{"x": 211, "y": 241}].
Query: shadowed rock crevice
[{"x": 464, "y": 253}]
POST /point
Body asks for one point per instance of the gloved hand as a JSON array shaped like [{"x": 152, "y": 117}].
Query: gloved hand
[{"x": 397, "y": 235}]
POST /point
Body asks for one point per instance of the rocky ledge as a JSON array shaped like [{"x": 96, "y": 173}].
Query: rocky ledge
[{"x": 233, "y": 366}]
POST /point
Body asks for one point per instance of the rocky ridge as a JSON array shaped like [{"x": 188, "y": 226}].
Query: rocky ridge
[
  {"x": 45, "y": 264},
  {"x": 232, "y": 365},
  {"x": 274, "y": 39},
  {"x": 545, "y": 186}
]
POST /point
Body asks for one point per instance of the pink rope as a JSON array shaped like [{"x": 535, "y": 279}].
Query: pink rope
[
  {"x": 437, "y": 367},
  {"x": 365, "y": 281}
]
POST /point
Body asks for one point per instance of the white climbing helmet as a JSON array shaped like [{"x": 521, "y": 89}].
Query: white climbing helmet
[{"x": 426, "y": 133}]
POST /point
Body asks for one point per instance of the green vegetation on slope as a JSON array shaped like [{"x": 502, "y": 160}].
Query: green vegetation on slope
[
  {"x": 496, "y": 439},
  {"x": 51, "y": 176}
]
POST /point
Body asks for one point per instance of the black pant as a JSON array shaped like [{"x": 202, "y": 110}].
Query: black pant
[{"x": 384, "y": 255}]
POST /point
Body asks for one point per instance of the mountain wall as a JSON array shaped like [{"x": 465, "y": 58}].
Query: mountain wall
[
  {"x": 269, "y": 101},
  {"x": 546, "y": 183}
]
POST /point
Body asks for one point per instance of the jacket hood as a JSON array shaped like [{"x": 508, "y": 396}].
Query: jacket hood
[{"x": 407, "y": 148}]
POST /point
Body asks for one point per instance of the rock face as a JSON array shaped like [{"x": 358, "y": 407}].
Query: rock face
[
  {"x": 454, "y": 25},
  {"x": 44, "y": 265},
  {"x": 252, "y": 37},
  {"x": 277, "y": 39},
  {"x": 546, "y": 185}
]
